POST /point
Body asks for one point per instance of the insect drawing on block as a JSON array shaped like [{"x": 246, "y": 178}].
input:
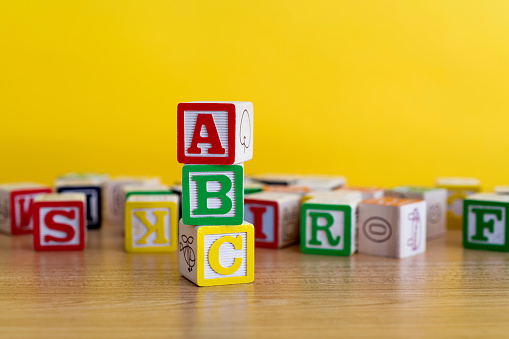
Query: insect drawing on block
[{"x": 189, "y": 255}]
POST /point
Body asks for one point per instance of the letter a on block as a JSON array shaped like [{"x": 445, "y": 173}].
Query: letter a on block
[
  {"x": 206, "y": 121},
  {"x": 158, "y": 227},
  {"x": 212, "y": 194}
]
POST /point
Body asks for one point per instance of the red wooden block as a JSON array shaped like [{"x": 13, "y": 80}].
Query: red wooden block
[
  {"x": 16, "y": 206},
  {"x": 275, "y": 217},
  {"x": 60, "y": 222},
  {"x": 214, "y": 133}
]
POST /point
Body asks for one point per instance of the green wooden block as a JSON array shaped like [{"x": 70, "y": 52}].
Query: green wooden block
[
  {"x": 212, "y": 194},
  {"x": 328, "y": 227},
  {"x": 485, "y": 222}
]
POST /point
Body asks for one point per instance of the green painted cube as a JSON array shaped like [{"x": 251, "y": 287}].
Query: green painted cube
[
  {"x": 212, "y": 194},
  {"x": 328, "y": 226},
  {"x": 485, "y": 222}
]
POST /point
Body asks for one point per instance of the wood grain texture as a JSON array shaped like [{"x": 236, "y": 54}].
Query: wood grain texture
[{"x": 105, "y": 292}]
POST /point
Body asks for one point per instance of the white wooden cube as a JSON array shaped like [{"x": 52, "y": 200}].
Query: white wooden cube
[
  {"x": 214, "y": 133},
  {"x": 115, "y": 196},
  {"x": 436, "y": 202},
  {"x": 366, "y": 191},
  {"x": 392, "y": 227},
  {"x": 216, "y": 255},
  {"x": 275, "y": 217},
  {"x": 321, "y": 182}
]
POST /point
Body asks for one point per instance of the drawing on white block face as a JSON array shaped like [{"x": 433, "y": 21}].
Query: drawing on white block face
[
  {"x": 245, "y": 130},
  {"x": 189, "y": 255},
  {"x": 415, "y": 241},
  {"x": 434, "y": 213},
  {"x": 377, "y": 229}
]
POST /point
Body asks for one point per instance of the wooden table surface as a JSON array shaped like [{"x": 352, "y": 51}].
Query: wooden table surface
[{"x": 447, "y": 292}]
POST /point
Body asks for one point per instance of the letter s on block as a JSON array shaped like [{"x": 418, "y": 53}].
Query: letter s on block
[
  {"x": 57, "y": 226},
  {"x": 214, "y": 255}
]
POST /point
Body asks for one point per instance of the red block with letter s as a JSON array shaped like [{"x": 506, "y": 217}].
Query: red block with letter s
[
  {"x": 214, "y": 133},
  {"x": 60, "y": 222}
]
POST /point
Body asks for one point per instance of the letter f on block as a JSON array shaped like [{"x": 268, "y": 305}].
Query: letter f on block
[
  {"x": 481, "y": 223},
  {"x": 158, "y": 227},
  {"x": 203, "y": 195},
  {"x": 329, "y": 221}
]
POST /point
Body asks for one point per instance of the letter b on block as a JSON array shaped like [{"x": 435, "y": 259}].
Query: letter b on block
[{"x": 212, "y": 195}]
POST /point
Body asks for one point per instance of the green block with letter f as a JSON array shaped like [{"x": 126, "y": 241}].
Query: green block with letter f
[{"x": 485, "y": 225}]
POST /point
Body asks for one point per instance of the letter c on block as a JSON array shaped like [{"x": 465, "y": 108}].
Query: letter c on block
[{"x": 214, "y": 255}]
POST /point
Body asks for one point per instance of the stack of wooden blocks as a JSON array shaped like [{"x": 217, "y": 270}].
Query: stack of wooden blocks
[{"x": 214, "y": 139}]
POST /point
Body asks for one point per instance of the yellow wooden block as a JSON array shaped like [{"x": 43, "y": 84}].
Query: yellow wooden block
[
  {"x": 457, "y": 190},
  {"x": 151, "y": 223},
  {"x": 217, "y": 255}
]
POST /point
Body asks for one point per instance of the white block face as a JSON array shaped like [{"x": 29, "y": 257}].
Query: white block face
[
  {"x": 497, "y": 237},
  {"x": 392, "y": 231},
  {"x": 412, "y": 230},
  {"x": 378, "y": 230},
  {"x": 266, "y": 212},
  {"x": 220, "y": 121},
  {"x": 212, "y": 186},
  {"x": 335, "y": 231},
  {"x": 227, "y": 255},
  {"x": 243, "y": 131},
  {"x": 140, "y": 229},
  {"x": 188, "y": 252},
  {"x": 52, "y": 222}
]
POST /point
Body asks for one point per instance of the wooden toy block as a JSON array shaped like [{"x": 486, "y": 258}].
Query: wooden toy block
[
  {"x": 94, "y": 176},
  {"x": 177, "y": 189},
  {"x": 16, "y": 206},
  {"x": 339, "y": 194},
  {"x": 275, "y": 217},
  {"x": 93, "y": 191},
  {"x": 151, "y": 223},
  {"x": 392, "y": 227},
  {"x": 60, "y": 222},
  {"x": 115, "y": 196},
  {"x": 321, "y": 182},
  {"x": 329, "y": 226},
  {"x": 212, "y": 194},
  {"x": 486, "y": 222},
  {"x": 216, "y": 133},
  {"x": 367, "y": 192},
  {"x": 501, "y": 189},
  {"x": 253, "y": 188},
  {"x": 217, "y": 255},
  {"x": 436, "y": 202},
  {"x": 141, "y": 190},
  {"x": 302, "y": 190},
  {"x": 276, "y": 178},
  {"x": 458, "y": 189}
]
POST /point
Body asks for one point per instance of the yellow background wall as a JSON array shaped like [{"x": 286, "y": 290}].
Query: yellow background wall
[{"x": 384, "y": 92}]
